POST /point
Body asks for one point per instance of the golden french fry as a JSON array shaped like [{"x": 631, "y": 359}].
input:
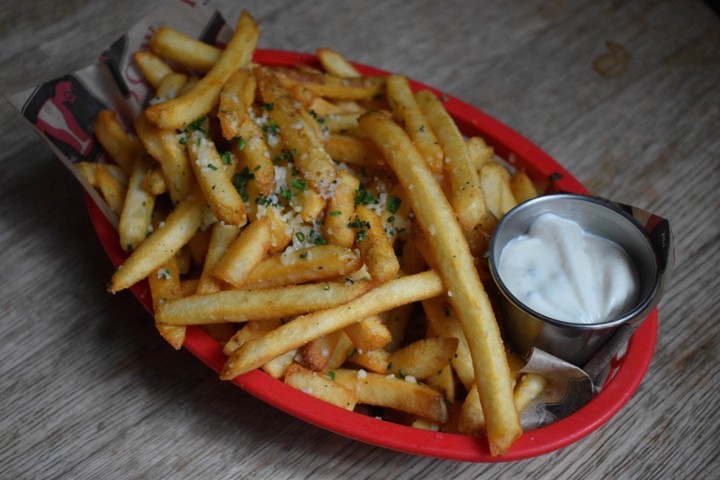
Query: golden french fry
[
  {"x": 313, "y": 325},
  {"x": 162, "y": 244},
  {"x": 375, "y": 249},
  {"x": 136, "y": 217},
  {"x": 444, "y": 382},
  {"x": 246, "y": 305},
  {"x": 527, "y": 389},
  {"x": 480, "y": 151},
  {"x": 466, "y": 196},
  {"x": 165, "y": 284},
  {"x": 165, "y": 147},
  {"x": 423, "y": 358},
  {"x": 170, "y": 87},
  {"x": 522, "y": 187},
  {"x": 320, "y": 386},
  {"x": 244, "y": 253},
  {"x": 343, "y": 349},
  {"x": 112, "y": 189},
  {"x": 220, "y": 239},
  {"x": 236, "y": 97},
  {"x": 375, "y": 360},
  {"x": 277, "y": 367},
  {"x": 122, "y": 147},
  {"x": 384, "y": 391},
  {"x": 256, "y": 162},
  {"x": 471, "y": 420},
  {"x": 495, "y": 181},
  {"x": 204, "y": 95},
  {"x": 210, "y": 173},
  {"x": 312, "y": 264},
  {"x": 316, "y": 353},
  {"x": 154, "y": 182},
  {"x": 183, "y": 50},
  {"x": 340, "y": 211},
  {"x": 368, "y": 334},
  {"x": 335, "y": 64},
  {"x": 152, "y": 67},
  {"x": 452, "y": 257},
  {"x": 407, "y": 112},
  {"x": 354, "y": 151},
  {"x": 340, "y": 123},
  {"x": 330, "y": 86},
  {"x": 250, "y": 330},
  {"x": 313, "y": 162}
]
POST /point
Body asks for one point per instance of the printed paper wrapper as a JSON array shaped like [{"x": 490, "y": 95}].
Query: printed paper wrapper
[{"x": 62, "y": 112}]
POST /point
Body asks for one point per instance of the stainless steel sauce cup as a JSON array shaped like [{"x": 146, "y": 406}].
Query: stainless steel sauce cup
[{"x": 575, "y": 342}]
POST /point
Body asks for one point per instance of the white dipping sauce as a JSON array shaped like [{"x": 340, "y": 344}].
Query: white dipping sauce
[{"x": 567, "y": 274}]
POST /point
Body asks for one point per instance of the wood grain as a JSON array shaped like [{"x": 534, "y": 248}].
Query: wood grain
[{"x": 89, "y": 390}]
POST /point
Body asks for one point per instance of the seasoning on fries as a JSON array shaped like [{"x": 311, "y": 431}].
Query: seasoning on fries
[{"x": 325, "y": 226}]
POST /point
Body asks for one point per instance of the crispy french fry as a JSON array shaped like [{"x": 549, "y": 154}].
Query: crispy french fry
[
  {"x": 154, "y": 182},
  {"x": 341, "y": 123},
  {"x": 244, "y": 253},
  {"x": 163, "y": 244},
  {"x": 452, "y": 257},
  {"x": 277, "y": 367},
  {"x": 313, "y": 162},
  {"x": 343, "y": 349},
  {"x": 375, "y": 360},
  {"x": 183, "y": 50},
  {"x": 471, "y": 420},
  {"x": 412, "y": 118},
  {"x": 112, "y": 189},
  {"x": 236, "y": 97},
  {"x": 466, "y": 196},
  {"x": 330, "y": 86},
  {"x": 170, "y": 87},
  {"x": 210, "y": 173},
  {"x": 320, "y": 386},
  {"x": 340, "y": 211},
  {"x": 423, "y": 358},
  {"x": 313, "y": 325},
  {"x": 122, "y": 147},
  {"x": 312, "y": 264},
  {"x": 136, "y": 216},
  {"x": 444, "y": 382},
  {"x": 165, "y": 147},
  {"x": 480, "y": 151},
  {"x": 249, "y": 331},
  {"x": 527, "y": 389},
  {"x": 220, "y": 239},
  {"x": 316, "y": 353},
  {"x": 246, "y": 305},
  {"x": 354, "y": 151},
  {"x": 256, "y": 158},
  {"x": 335, "y": 64},
  {"x": 204, "y": 95},
  {"x": 522, "y": 187},
  {"x": 375, "y": 249},
  {"x": 368, "y": 334},
  {"x": 165, "y": 284},
  {"x": 495, "y": 181},
  {"x": 152, "y": 67},
  {"x": 392, "y": 392}
]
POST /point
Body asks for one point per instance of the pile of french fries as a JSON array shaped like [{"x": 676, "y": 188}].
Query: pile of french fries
[{"x": 325, "y": 226}]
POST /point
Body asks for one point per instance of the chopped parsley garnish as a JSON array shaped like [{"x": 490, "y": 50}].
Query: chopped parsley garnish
[
  {"x": 286, "y": 193},
  {"x": 226, "y": 158},
  {"x": 285, "y": 155},
  {"x": 326, "y": 286},
  {"x": 331, "y": 374},
  {"x": 357, "y": 223},
  {"x": 240, "y": 180},
  {"x": 239, "y": 142},
  {"x": 183, "y": 140},
  {"x": 300, "y": 236},
  {"x": 299, "y": 183},
  {"x": 268, "y": 106},
  {"x": 211, "y": 166},
  {"x": 320, "y": 241},
  {"x": 393, "y": 204},
  {"x": 271, "y": 127},
  {"x": 303, "y": 255},
  {"x": 363, "y": 197},
  {"x": 198, "y": 125},
  {"x": 335, "y": 213}
]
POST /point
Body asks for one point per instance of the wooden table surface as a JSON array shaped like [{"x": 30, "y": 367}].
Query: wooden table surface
[{"x": 87, "y": 388}]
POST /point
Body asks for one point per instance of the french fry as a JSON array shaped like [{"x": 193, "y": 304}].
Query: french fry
[
  {"x": 335, "y": 64},
  {"x": 527, "y": 389},
  {"x": 471, "y": 420},
  {"x": 183, "y": 50},
  {"x": 380, "y": 390},
  {"x": 343, "y": 349},
  {"x": 452, "y": 257},
  {"x": 246, "y": 305},
  {"x": 162, "y": 244},
  {"x": 313, "y": 162},
  {"x": 204, "y": 95},
  {"x": 210, "y": 173},
  {"x": 480, "y": 151},
  {"x": 412, "y": 118},
  {"x": 311, "y": 264},
  {"x": 375, "y": 360},
  {"x": 165, "y": 284},
  {"x": 255, "y": 157},
  {"x": 152, "y": 67},
  {"x": 313, "y": 325},
  {"x": 136, "y": 216},
  {"x": 277, "y": 367},
  {"x": 466, "y": 197},
  {"x": 165, "y": 147},
  {"x": 522, "y": 187},
  {"x": 154, "y": 182},
  {"x": 170, "y": 87},
  {"x": 375, "y": 249},
  {"x": 320, "y": 386},
  {"x": 353, "y": 151},
  {"x": 236, "y": 97},
  {"x": 368, "y": 334},
  {"x": 423, "y": 358},
  {"x": 244, "y": 253},
  {"x": 220, "y": 239},
  {"x": 112, "y": 189},
  {"x": 330, "y": 86},
  {"x": 340, "y": 211},
  {"x": 495, "y": 181},
  {"x": 249, "y": 331},
  {"x": 341, "y": 123},
  {"x": 444, "y": 382},
  {"x": 316, "y": 353},
  {"x": 122, "y": 147}
]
